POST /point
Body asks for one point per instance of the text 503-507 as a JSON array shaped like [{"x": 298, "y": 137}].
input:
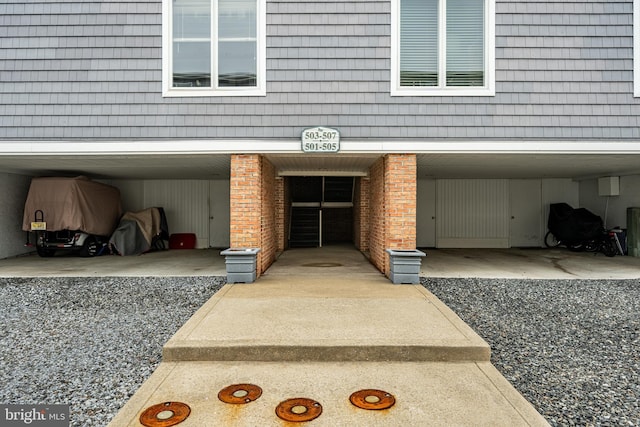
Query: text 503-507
[{"x": 316, "y": 135}]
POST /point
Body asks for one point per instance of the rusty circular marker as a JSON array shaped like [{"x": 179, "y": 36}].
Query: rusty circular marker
[
  {"x": 299, "y": 409},
  {"x": 240, "y": 393},
  {"x": 372, "y": 399},
  {"x": 165, "y": 414}
]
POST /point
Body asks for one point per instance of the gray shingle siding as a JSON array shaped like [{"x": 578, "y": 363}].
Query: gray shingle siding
[{"x": 92, "y": 70}]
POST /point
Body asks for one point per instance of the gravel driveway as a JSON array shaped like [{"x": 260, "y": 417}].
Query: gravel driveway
[
  {"x": 89, "y": 342},
  {"x": 571, "y": 347}
]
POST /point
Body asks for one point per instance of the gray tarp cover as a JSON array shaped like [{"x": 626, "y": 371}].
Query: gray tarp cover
[
  {"x": 134, "y": 235},
  {"x": 73, "y": 204}
]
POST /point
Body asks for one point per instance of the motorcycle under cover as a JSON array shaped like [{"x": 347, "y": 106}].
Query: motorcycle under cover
[
  {"x": 573, "y": 225},
  {"x": 73, "y": 204},
  {"x": 136, "y": 231}
]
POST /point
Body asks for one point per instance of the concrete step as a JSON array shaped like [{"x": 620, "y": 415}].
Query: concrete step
[{"x": 308, "y": 319}]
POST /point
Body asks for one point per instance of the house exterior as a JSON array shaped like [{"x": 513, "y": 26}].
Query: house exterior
[{"x": 452, "y": 122}]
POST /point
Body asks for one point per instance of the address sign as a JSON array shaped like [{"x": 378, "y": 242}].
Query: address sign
[{"x": 320, "y": 140}]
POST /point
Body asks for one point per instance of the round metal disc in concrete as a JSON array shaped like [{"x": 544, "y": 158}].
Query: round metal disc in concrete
[
  {"x": 299, "y": 410},
  {"x": 240, "y": 393},
  {"x": 372, "y": 399},
  {"x": 165, "y": 414}
]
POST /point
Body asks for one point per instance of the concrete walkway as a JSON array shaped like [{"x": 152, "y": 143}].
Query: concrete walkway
[
  {"x": 321, "y": 325},
  {"x": 490, "y": 263}
]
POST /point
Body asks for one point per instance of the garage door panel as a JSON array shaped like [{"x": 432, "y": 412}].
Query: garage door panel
[{"x": 473, "y": 213}]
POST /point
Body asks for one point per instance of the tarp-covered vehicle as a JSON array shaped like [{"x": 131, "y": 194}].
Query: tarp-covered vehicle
[
  {"x": 572, "y": 227},
  {"x": 140, "y": 232},
  {"x": 580, "y": 230},
  {"x": 71, "y": 214}
]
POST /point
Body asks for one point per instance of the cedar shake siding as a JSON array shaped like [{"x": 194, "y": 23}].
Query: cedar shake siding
[{"x": 92, "y": 70}]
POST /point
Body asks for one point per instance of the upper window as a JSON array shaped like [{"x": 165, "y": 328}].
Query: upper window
[
  {"x": 443, "y": 47},
  {"x": 213, "y": 48}
]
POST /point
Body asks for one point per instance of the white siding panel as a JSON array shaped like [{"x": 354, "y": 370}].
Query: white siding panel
[
  {"x": 131, "y": 193},
  {"x": 473, "y": 213},
  {"x": 612, "y": 209},
  {"x": 14, "y": 193},
  {"x": 186, "y": 204}
]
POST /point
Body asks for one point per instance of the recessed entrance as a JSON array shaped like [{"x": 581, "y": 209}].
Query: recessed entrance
[{"x": 321, "y": 211}]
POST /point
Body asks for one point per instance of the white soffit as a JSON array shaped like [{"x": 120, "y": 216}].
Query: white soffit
[
  {"x": 206, "y": 159},
  {"x": 294, "y": 147}
]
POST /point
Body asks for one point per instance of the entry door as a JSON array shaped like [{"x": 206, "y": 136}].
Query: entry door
[
  {"x": 426, "y": 214},
  {"x": 219, "y": 215},
  {"x": 526, "y": 212}
]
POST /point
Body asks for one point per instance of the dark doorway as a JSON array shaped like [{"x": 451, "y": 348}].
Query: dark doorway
[
  {"x": 306, "y": 189},
  {"x": 321, "y": 211}
]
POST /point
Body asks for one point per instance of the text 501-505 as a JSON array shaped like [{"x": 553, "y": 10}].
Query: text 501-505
[{"x": 320, "y": 146}]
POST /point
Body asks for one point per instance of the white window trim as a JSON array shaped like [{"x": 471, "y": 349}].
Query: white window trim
[
  {"x": 167, "y": 46},
  {"x": 490, "y": 59},
  {"x": 636, "y": 48}
]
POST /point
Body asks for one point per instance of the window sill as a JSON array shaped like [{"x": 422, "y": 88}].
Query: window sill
[
  {"x": 409, "y": 91},
  {"x": 190, "y": 93}
]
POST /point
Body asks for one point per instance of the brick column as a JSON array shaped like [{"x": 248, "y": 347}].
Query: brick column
[
  {"x": 400, "y": 200},
  {"x": 393, "y": 206},
  {"x": 245, "y": 201},
  {"x": 361, "y": 214},
  {"x": 377, "y": 230},
  {"x": 268, "y": 229},
  {"x": 281, "y": 215},
  {"x": 253, "y": 207}
]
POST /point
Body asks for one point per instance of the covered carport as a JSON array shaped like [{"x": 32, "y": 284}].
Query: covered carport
[
  {"x": 502, "y": 199},
  {"x": 508, "y": 186}
]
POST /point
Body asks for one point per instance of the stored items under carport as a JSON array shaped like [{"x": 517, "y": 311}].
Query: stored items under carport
[
  {"x": 73, "y": 214},
  {"x": 182, "y": 241},
  {"x": 140, "y": 232}
]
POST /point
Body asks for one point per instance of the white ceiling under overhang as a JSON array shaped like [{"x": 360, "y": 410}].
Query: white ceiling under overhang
[
  {"x": 430, "y": 165},
  {"x": 504, "y": 165}
]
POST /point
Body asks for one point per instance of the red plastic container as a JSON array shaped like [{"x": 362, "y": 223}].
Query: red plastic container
[{"x": 182, "y": 241}]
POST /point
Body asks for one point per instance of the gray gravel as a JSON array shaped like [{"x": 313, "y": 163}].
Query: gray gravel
[
  {"x": 89, "y": 342},
  {"x": 571, "y": 347}
]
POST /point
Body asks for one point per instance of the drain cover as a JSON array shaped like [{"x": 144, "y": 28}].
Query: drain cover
[
  {"x": 165, "y": 414},
  {"x": 299, "y": 409},
  {"x": 372, "y": 399},
  {"x": 323, "y": 264},
  {"x": 240, "y": 393}
]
